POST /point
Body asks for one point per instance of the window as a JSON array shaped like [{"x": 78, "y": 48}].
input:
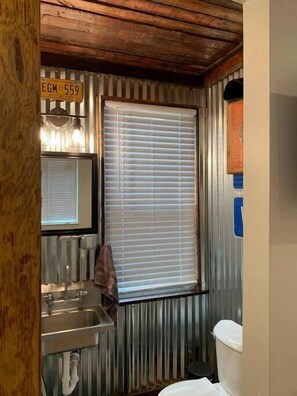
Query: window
[
  {"x": 69, "y": 201},
  {"x": 59, "y": 191},
  {"x": 150, "y": 197}
]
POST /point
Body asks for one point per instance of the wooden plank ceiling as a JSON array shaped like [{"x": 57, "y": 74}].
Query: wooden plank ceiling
[{"x": 171, "y": 40}]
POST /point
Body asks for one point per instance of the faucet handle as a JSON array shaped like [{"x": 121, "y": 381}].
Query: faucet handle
[
  {"x": 80, "y": 295},
  {"x": 49, "y": 299}
]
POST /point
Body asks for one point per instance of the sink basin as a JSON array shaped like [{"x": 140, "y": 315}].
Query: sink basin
[
  {"x": 69, "y": 320},
  {"x": 73, "y": 328}
]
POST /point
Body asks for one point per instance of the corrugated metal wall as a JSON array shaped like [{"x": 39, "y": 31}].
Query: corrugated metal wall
[
  {"x": 77, "y": 253},
  {"x": 224, "y": 252},
  {"x": 151, "y": 347},
  {"x": 154, "y": 341}
]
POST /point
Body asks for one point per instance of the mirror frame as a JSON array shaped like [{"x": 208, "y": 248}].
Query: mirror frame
[{"x": 94, "y": 206}]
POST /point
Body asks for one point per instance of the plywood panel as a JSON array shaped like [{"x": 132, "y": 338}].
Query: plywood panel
[{"x": 19, "y": 198}]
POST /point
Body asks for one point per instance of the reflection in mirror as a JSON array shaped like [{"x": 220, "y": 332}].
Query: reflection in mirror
[{"x": 69, "y": 193}]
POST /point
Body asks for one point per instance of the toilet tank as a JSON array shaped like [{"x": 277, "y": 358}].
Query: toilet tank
[{"x": 228, "y": 336}]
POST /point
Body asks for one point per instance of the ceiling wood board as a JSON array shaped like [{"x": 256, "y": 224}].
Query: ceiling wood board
[
  {"x": 106, "y": 42},
  {"x": 204, "y": 8},
  {"x": 92, "y": 64},
  {"x": 116, "y": 58},
  {"x": 221, "y": 71},
  {"x": 175, "y": 13},
  {"x": 226, "y": 3},
  {"x": 141, "y": 19},
  {"x": 122, "y": 30},
  {"x": 182, "y": 37}
]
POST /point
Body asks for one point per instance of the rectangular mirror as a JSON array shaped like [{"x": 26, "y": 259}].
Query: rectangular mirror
[{"x": 69, "y": 193}]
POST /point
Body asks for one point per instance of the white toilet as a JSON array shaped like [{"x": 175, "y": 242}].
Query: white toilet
[{"x": 228, "y": 336}]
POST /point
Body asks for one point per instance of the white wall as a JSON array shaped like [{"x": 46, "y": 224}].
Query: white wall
[
  {"x": 283, "y": 196},
  {"x": 270, "y": 245},
  {"x": 256, "y": 193}
]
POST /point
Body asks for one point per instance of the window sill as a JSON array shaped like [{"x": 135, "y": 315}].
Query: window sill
[{"x": 194, "y": 292}]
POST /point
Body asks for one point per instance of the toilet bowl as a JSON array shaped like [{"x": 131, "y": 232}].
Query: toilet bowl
[
  {"x": 228, "y": 336},
  {"x": 200, "y": 387}
]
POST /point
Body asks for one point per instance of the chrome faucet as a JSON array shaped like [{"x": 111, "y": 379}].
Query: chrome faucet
[
  {"x": 80, "y": 297},
  {"x": 67, "y": 282},
  {"x": 49, "y": 299}
]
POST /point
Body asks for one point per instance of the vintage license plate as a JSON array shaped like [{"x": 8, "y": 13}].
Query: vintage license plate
[{"x": 56, "y": 89}]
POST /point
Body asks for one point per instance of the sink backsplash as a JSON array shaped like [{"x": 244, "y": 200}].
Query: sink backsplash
[
  {"x": 92, "y": 295},
  {"x": 76, "y": 252}
]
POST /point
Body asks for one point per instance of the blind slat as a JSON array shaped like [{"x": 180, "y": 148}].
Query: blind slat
[
  {"x": 150, "y": 195},
  {"x": 59, "y": 191}
]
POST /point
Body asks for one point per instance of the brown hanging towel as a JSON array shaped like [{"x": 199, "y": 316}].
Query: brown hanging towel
[{"x": 105, "y": 278}]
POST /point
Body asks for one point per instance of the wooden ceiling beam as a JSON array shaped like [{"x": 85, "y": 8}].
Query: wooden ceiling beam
[
  {"x": 148, "y": 7},
  {"x": 226, "y": 3},
  {"x": 87, "y": 38},
  {"x": 216, "y": 11},
  {"x": 224, "y": 69},
  {"x": 92, "y": 64},
  {"x": 140, "y": 36},
  {"x": 78, "y": 31},
  {"x": 89, "y": 54},
  {"x": 54, "y": 15},
  {"x": 148, "y": 19}
]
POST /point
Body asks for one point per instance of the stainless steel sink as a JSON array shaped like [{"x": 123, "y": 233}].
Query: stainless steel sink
[
  {"x": 69, "y": 321},
  {"x": 73, "y": 328}
]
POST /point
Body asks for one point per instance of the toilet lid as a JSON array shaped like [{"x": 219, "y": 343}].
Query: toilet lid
[{"x": 200, "y": 387}]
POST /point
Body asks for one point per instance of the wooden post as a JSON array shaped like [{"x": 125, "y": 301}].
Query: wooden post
[{"x": 19, "y": 198}]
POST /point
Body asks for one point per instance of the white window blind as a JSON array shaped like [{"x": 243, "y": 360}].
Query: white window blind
[
  {"x": 59, "y": 191},
  {"x": 150, "y": 197}
]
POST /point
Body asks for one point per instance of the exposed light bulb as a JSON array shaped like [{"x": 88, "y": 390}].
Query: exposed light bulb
[{"x": 78, "y": 136}]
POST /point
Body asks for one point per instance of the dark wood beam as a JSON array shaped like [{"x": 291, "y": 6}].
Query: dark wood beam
[
  {"x": 106, "y": 45},
  {"x": 20, "y": 199},
  {"x": 53, "y": 15},
  {"x": 92, "y": 64},
  {"x": 133, "y": 16},
  {"x": 224, "y": 69},
  {"x": 151, "y": 8},
  {"x": 205, "y": 8},
  {"x": 106, "y": 57},
  {"x": 169, "y": 36},
  {"x": 226, "y": 3}
]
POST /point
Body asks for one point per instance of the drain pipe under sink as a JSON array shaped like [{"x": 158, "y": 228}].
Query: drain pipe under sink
[{"x": 70, "y": 377}]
